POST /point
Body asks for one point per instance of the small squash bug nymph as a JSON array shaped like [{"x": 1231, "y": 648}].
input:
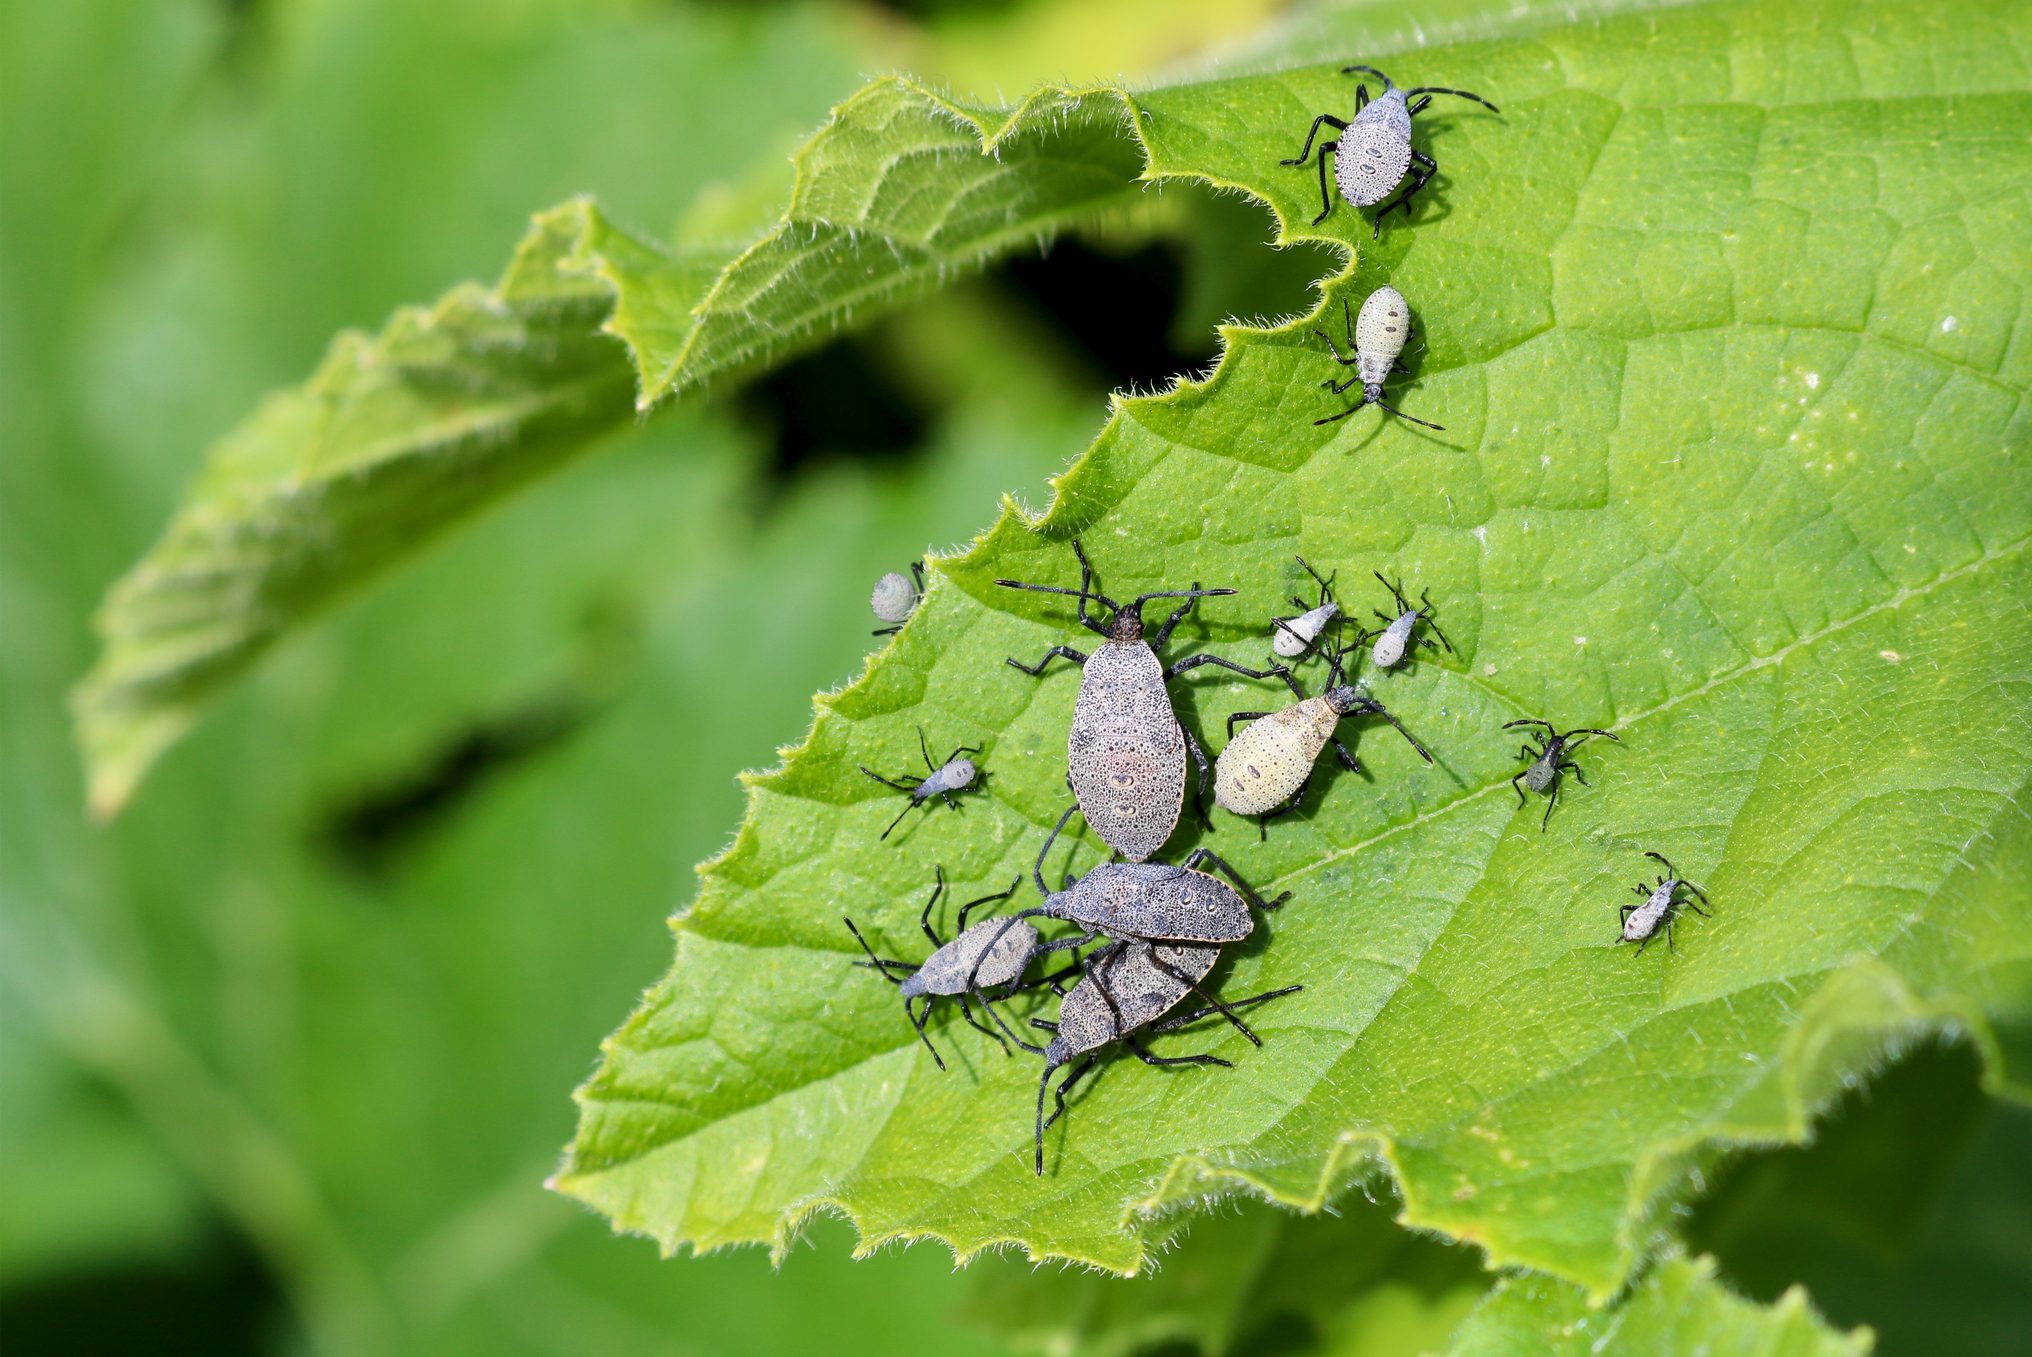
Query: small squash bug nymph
[
  {"x": 1374, "y": 153},
  {"x": 1393, "y": 639},
  {"x": 955, "y": 774},
  {"x": 1293, "y": 638},
  {"x": 1376, "y": 337},
  {"x": 1641, "y": 922},
  {"x": 895, "y": 598},
  {"x": 1549, "y": 760}
]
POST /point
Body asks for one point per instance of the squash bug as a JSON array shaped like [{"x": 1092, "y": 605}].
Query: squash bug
[
  {"x": 1394, "y": 637},
  {"x": 1372, "y": 156},
  {"x": 1126, "y": 987},
  {"x": 1148, "y": 900},
  {"x": 1125, "y": 755},
  {"x": 983, "y": 957},
  {"x": 1264, "y": 770},
  {"x": 1641, "y": 922},
  {"x": 1293, "y": 638},
  {"x": 955, "y": 774},
  {"x": 895, "y": 598},
  {"x": 1549, "y": 760},
  {"x": 1375, "y": 339}
]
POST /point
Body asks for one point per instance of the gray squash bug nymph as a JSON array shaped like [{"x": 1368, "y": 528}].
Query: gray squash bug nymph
[
  {"x": 1374, "y": 153},
  {"x": 1264, "y": 771},
  {"x": 1148, "y": 900},
  {"x": 1549, "y": 760},
  {"x": 895, "y": 598},
  {"x": 1641, "y": 922},
  {"x": 1295, "y": 637},
  {"x": 1377, "y": 338},
  {"x": 983, "y": 957},
  {"x": 1126, "y": 987},
  {"x": 955, "y": 774},
  {"x": 1125, "y": 755},
  {"x": 1393, "y": 639}
]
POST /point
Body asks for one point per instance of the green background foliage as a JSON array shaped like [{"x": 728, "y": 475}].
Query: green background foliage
[{"x": 284, "y": 1046}]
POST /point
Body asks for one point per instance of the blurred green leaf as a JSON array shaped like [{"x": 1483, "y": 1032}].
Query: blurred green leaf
[
  {"x": 1679, "y": 1308},
  {"x": 1907, "y": 1212},
  {"x": 400, "y": 435},
  {"x": 1248, "y": 1280},
  {"x": 1735, "y": 467}
]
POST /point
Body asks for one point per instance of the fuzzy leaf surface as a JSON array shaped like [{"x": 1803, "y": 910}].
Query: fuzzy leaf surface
[{"x": 1724, "y": 315}]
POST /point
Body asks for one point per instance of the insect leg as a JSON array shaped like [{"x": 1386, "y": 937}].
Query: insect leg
[
  {"x": 1195, "y": 661},
  {"x": 1172, "y": 1024},
  {"x": 1567, "y": 765},
  {"x": 1217, "y": 1005},
  {"x": 975, "y": 1023},
  {"x": 1199, "y": 855},
  {"x": 1551, "y": 800},
  {"x": 1348, "y": 760},
  {"x": 1037, "y": 869},
  {"x": 1624, "y": 912},
  {"x": 924, "y": 919},
  {"x": 923, "y": 1016},
  {"x": 1370, "y": 707},
  {"x": 970, "y": 905},
  {"x": 1036, "y": 670},
  {"x": 1703, "y": 899},
  {"x": 1243, "y": 716},
  {"x": 1323, "y": 120},
  {"x": 1137, "y": 1049},
  {"x": 1348, "y": 320},
  {"x": 1433, "y": 627},
  {"x": 1338, "y": 387},
  {"x": 1325, "y": 197},
  {"x": 1422, "y": 167}
]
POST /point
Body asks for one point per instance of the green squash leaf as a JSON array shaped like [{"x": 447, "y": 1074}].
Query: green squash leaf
[
  {"x": 1679, "y": 1308},
  {"x": 1722, "y": 315}
]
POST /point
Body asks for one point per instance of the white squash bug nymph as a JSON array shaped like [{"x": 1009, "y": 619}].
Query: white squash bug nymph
[
  {"x": 895, "y": 598},
  {"x": 1294, "y": 637},
  {"x": 1374, "y": 153},
  {"x": 1393, "y": 638},
  {"x": 1377, "y": 337},
  {"x": 1641, "y": 922},
  {"x": 955, "y": 774}
]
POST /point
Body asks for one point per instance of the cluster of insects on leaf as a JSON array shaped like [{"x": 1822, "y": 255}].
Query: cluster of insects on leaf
[{"x": 1145, "y": 934}]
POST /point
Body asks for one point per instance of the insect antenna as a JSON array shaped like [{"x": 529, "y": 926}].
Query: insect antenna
[
  {"x": 875, "y": 963},
  {"x": 1441, "y": 89},
  {"x": 1370, "y": 70},
  {"x": 907, "y": 806},
  {"x": 1401, "y": 415}
]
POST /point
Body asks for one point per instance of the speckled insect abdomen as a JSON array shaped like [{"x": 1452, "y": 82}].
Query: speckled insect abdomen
[{"x": 1126, "y": 754}]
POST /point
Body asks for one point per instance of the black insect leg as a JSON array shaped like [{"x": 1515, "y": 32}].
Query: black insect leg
[
  {"x": 1371, "y": 707},
  {"x": 1137, "y": 1049},
  {"x": 922, "y": 1017},
  {"x": 1242, "y": 716},
  {"x": 1044, "y": 1083},
  {"x": 1348, "y": 760},
  {"x": 1193, "y": 985},
  {"x": 971, "y": 905},
  {"x": 1623, "y": 913},
  {"x": 1703, "y": 899},
  {"x": 1195, "y": 661},
  {"x": 1325, "y": 196},
  {"x": 1568, "y": 766},
  {"x": 975, "y": 1023},
  {"x": 1323, "y": 120},
  {"x": 1199, "y": 855},
  {"x": 1422, "y": 168},
  {"x": 1519, "y": 790},
  {"x": 924, "y": 919},
  {"x": 1551, "y": 800},
  {"x": 1199, "y": 796},
  {"x": 1036, "y": 670},
  {"x": 1173, "y": 1024},
  {"x": 1353, "y": 356},
  {"x": 1163, "y": 633}
]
